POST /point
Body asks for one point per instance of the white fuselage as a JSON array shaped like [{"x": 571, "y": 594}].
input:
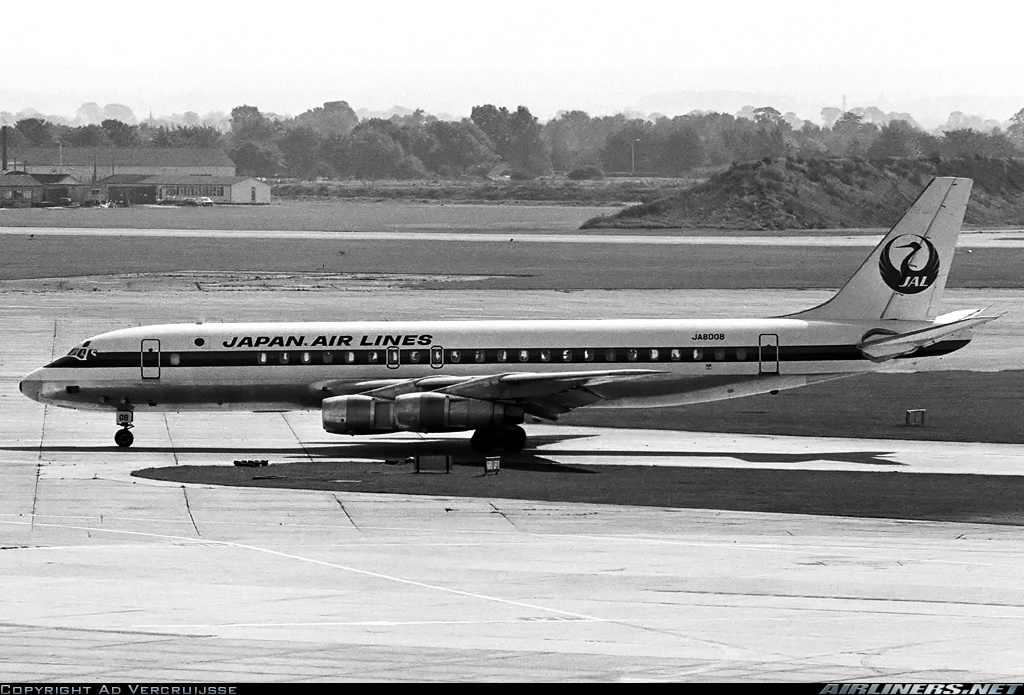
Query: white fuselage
[{"x": 290, "y": 366}]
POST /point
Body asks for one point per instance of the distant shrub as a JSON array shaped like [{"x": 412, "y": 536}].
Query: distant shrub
[{"x": 588, "y": 172}]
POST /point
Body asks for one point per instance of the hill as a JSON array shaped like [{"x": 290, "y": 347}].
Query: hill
[{"x": 796, "y": 193}]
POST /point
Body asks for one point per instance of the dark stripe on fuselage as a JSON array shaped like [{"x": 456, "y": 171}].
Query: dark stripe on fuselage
[{"x": 496, "y": 356}]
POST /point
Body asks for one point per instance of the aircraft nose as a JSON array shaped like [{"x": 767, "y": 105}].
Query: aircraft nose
[{"x": 31, "y": 385}]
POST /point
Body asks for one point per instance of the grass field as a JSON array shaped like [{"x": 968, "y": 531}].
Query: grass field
[
  {"x": 359, "y": 215},
  {"x": 317, "y": 215},
  {"x": 508, "y": 266}
]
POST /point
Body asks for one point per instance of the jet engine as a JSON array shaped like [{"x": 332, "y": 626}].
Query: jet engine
[
  {"x": 357, "y": 415},
  {"x": 438, "y": 412},
  {"x": 415, "y": 412}
]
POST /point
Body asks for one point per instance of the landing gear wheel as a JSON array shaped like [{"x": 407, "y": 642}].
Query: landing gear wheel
[
  {"x": 124, "y": 438},
  {"x": 484, "y": 441},
  {"x": 512, "y": 440}
]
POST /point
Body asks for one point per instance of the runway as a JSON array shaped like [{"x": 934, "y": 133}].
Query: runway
[{"x": 110, "y": 576}]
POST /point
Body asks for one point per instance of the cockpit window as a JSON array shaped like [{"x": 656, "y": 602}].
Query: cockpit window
[{"x": 82, "y": 353}]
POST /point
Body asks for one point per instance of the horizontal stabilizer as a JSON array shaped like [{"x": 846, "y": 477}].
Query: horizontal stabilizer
[{"x": 905, "y": 343}]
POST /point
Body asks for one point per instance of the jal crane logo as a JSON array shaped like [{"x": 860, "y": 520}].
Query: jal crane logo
[{"x": 918, "y": 268}]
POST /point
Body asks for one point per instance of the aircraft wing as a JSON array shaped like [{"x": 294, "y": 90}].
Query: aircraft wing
[
  {"x": 544, "y": 394},
  {"x": 388, "y": 389},
  {"x": 946, "y": 326}
]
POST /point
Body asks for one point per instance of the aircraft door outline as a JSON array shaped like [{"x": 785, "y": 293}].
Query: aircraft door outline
[
  {"x": 768, "y": 353},
  {"x": 436, "y": 356},
  {"x": 150, "y": 358},
  {"x": 394, "y": 358}
]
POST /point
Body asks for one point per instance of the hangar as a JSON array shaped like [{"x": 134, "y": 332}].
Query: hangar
[
  {"x": 58, "y": 188},
  {"x": 125, "y": 189},
  {"x": 91, "y": 163}
]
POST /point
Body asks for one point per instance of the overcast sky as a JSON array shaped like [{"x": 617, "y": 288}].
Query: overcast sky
[{"x": 445, "y": 56}]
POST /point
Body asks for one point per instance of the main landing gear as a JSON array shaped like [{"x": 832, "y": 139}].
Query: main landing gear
[
  {"x": 124, "y": 437},
  {"x": 509, "y": 441}
]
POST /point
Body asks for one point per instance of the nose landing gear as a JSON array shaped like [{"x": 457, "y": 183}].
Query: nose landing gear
[{"x": 124, "y": 437}]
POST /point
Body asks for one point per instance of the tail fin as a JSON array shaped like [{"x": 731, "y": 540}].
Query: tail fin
[{"x": 904, "y": 276}]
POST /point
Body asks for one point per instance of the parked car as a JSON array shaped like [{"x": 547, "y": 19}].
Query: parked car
[{"x": 205, "y": 202}]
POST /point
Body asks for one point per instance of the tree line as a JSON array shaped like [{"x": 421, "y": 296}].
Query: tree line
[
  {"x": 111, "y": 132},
  {"x": 332, "y": 142}
]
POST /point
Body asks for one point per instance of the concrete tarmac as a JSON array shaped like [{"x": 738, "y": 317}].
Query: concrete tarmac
[{"x": 113, "y": 577}]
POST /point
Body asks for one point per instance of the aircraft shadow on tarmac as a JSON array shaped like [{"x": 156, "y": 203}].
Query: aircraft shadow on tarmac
[{"x": 528, "y": 460}]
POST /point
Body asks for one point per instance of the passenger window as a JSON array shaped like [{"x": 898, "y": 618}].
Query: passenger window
[
  {"x": 329, "y": 357},
  {"x": 676, "y": 355},
  {"x": 567, "y": 355},
  {"x": 545, "y": 355},
  {"x": 285, "y": 359},
  {"x": 350, "y": 357},
  {"x": 455, "y": 356},
  {"x": 305, "y": 358},
  {"x": 524, "y": 355},
  {"x": 503, "y": 355},
  {"x": 175, "y": 359},
  {"x": 262, "y": 359},
  {"x": 480, "y": 356},
  {"x": 588, "y": 355},
  {"x": 719, "y": 354},
  {"x": 741, "y": 354},
  {"x": 632, "y": 355},
  {"x": 414, "y": 356},
  {"x": 609, "y": 355},
  {"x": 373, "y": 357},
  {"x": 654, "y": 355},
  {"x": 698, "y": 355}
]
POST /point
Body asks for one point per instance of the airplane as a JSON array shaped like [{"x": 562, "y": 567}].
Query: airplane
[{"x": 370, "y": 377}]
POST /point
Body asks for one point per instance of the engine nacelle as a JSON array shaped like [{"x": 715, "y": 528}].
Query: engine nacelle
[
  {"x": 357, "y": 415},
  {"x": 438, "y": 412}
]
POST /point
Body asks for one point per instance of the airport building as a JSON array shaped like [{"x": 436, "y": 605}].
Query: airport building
[
  {"x": 19, "y": 191},
  {"x": 240, "y": 190},
  {"x": 62, "y": 188},
  {"x": 92, "y": 163},
  {"x": 135, "y": 189}
]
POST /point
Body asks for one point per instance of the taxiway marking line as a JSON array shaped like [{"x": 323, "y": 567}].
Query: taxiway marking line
[
  {"x": 322, "y": 563},
  {"x": 356, "y": 623},
  {"x": 894, "y": 553},
  {"x": 801, "y": 547}
]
